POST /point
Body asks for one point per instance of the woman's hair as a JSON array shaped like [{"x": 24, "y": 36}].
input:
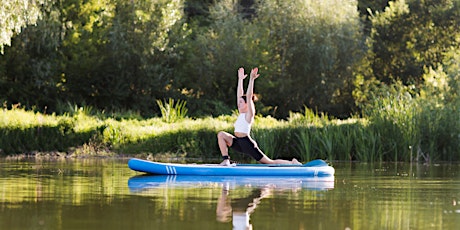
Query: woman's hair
[{"x": 254, "y": 98}]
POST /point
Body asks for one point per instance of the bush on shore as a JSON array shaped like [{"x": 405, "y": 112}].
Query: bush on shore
[{"x": 414, "y": 134}]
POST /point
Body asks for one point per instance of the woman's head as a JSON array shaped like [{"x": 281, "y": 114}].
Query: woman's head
[{"x": 243, "y": 103}]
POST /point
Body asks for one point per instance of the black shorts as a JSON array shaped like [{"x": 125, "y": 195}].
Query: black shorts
[{"x": 247, "y": 146}]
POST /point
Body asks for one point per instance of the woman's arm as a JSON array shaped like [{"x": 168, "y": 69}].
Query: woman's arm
[
  {"x": 250, "y": 93},
  {"x": 239, "y": 88}
]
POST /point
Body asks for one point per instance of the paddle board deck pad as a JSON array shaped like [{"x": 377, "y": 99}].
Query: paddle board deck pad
[{"x": 315, "y": 168}]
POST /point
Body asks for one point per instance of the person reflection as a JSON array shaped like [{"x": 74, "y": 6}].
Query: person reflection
[{"x": 239, "y": 210}]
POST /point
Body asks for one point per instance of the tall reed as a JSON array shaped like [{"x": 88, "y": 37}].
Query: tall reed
[
  {"x": 418, "y": 125},
  {"x": 345, "y": 139},
  {"x": 304, "y": 147},
  {"x": 394, "y": 120},
  {"x": 172, "y": 111}
]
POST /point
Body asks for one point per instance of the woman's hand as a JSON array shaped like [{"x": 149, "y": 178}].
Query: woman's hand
[
  {"x": 254, "y": 73},
  {"x": 241, "y": 74}
]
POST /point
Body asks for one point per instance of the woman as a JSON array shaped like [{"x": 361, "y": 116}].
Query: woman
[{"x": 241, "y": 141}]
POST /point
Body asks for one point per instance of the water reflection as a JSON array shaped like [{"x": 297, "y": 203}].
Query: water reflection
[
  {"x": 145, "y": 182},
  {"x": 98, "y": 194},
  {"x": 238, "y": 210},
  {"x": 239, "y": 197}
]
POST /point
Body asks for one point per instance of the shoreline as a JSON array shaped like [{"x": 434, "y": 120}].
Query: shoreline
[{"x": 56, "y": 155}]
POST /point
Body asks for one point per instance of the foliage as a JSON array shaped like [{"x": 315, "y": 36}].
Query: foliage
[
  {"x": 108, "y": 54},
  {"x": 425, "y": 31},
  {"x": 414, "y": 133},
  {"x": 311, "y": 47},
  {"x": 23, "y": 131},
  {"x": 397, "y": 69},
  {"x": 172, "y": 111},
  {"x": 131, "y": 63},
  {"x": 417, "y": 126},
  {"x": 15, "y": 15},
  {"x": 298, "y": 57},
  {"x": 208, "y": 71}
]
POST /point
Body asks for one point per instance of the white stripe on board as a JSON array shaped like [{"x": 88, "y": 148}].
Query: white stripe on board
[{"x": 171, "y": 170}]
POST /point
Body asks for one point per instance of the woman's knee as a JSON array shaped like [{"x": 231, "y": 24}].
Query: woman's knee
[
  {"x": 225, "y": 137},
  {"x": 221, "y": 135}
]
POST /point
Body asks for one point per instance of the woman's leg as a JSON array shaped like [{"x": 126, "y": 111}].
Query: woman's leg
[
  {"x": 251, "y": 148},
  {"x": 224, "y": 140},
  {"x": 267, "y": 160}
]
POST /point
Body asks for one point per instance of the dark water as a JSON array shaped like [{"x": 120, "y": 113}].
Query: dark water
[{"x": 104, "y": 194}]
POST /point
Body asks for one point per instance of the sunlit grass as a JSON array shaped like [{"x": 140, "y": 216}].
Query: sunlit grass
[
  {"x": 396, "y": 128},
  {"x": 20, "y": 118}
]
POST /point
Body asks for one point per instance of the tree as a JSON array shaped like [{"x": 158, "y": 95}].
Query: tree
[
  {"x": 212, "y": 56},
  {"x": 409, "y": 36},
  {"x": 299, "y": 47},
  {"x": 110, "y": 54},
  {"x": 15, "y": 15},
  {"x": 312, "y": 48},
  {"x": 29, "y": 68}
]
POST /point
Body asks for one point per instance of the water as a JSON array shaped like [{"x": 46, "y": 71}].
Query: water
[{"x": 105, "y": 194}]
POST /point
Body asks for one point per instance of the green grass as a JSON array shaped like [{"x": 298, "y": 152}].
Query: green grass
[{"x": 395, "y": 129}]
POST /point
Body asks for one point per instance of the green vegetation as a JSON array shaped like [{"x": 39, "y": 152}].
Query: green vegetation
[
  {"x": 388, "y": 69},
  {"x": 173, "y": 111},
  {"x": 16, "y": 14},
  {"x": 396, "y": 127},
  {"x": 116, "y": 55}
]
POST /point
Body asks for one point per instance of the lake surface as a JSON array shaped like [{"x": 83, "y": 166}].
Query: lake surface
[{"x": 105, "y": 194}]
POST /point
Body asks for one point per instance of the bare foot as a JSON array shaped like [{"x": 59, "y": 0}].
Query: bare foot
[
  {"x": 225, "y": 163},
  {"x": 295, "y": 162}
]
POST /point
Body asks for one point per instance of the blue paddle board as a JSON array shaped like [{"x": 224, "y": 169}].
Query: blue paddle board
[{"x": 313, "y": 169}]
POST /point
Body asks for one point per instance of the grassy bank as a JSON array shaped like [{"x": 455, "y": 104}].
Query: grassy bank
[{"x": 383, "y": 136}]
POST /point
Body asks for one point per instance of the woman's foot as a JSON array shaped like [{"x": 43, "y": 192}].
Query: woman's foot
[
  {"x": 295, "y": 162},
  {"x": 226, "y": 162}
]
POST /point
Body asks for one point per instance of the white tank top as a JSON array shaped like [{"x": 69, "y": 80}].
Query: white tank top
[{"x": 241, "y": 125}]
